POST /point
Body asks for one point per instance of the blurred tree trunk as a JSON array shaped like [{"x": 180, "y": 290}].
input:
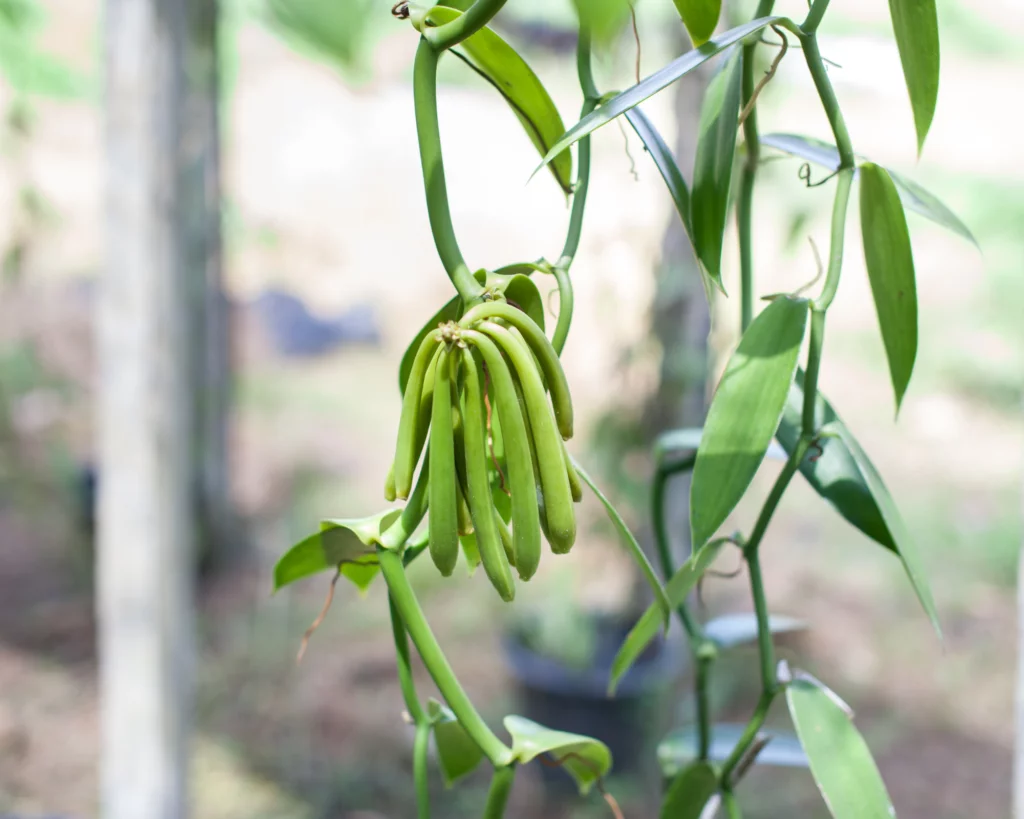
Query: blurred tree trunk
[
  {"x": 146, "y": 421},
  {"x": 202, "y": 246},
  {"x": 680, "y": 319}
]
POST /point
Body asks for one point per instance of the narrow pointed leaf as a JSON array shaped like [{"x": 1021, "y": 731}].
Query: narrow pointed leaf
[
  {"x": 894, "y": 522},
  {"x": 337, "y": 542},
  {"x": 732, "y": 630},
  {"x": 841, "y": 472},
  {"x": 913, "y": 196},
  {"x": 656, "y": 82},
  {"x": 890, "y": 263},
  {"x": 326, "y": 30},
  {"x": 679, "y": 444},
  {"x": 842, "y": 765},
  {"x": 457, "y": 754},
  {"x": 712, "y": 171},
  {"x": 646, "y": 629},
  {"x": 745, "y": 413},
  {"x": 630, "y": 542},
  {"x": 450, "y": 312},
  {"x": 700, "y": 18},
  {"x": 664, "y": 161},
  {"x": 679, "y": 748},
  {"x": 585, "y": 759},
  {"x": 916, "y": 26},
  {"x": 830, "y": 468},
  {"x": 690, "y": 792},
  {"x": 501, "y": 66}
]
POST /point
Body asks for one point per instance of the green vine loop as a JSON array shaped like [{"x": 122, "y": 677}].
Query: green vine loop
[
  {"x": 749, "y": 735},
  {"x": 844, "y": 182},
  {"x": 435, "y": 661},
  {"x": 405, "y": 680},
  {"x": 566, "y": 301},
  {"x": 814, "y": 16},
  {"x": 466, "y": 25},
  {"x": 438, "y": 210},
  {"x": 420, "y": 771},
  {"x": 497, "y": 795},
  {"x": 829, "y": 102},
  {"x": 401, "y": 530},
  {"x": 809, "y": 425}
]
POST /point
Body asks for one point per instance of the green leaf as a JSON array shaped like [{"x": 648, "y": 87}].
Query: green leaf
[
  {"x": 890, "y": 263},
  {"x": 679, "y": 748},
  {"x": 680, "y": 444},
  {"x": 324, "y": 29},
  {"x": 338, "y": 541},
  {"x": 450, "y": 312},
  {"x": 457, "y": 754},
  {"x": 522, "y": 292},
  {"x": 916, "y": 26},
  {"x": 29, "y": 70},
  {"x": 646, "y": 629},
  {"x": 841, "y": 472},
  {"x": 700, "y": 18},
  {"x": 637, "y": 553},
  {"x": 585, "y": 759},
  {"x": 839, "y": 758},
  {"x": 690, "y": 792},
  {"x": 664, "y": 161},
  {"x": 830, "y": 468},
  {"x": 603, "y": 18},
  {"x": 656, "y": 82},
  {"x": 913, "y": 196},
  {"x": 745, "y": 413},
  {"x": 732, "y": 630},
  {"x": 499, "y": 64}
]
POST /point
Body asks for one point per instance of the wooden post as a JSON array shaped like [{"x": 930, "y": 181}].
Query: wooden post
[{"x": 145, "y": 421}]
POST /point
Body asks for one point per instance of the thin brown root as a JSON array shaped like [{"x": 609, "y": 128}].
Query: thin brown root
[
  {"x": 767, "y": 77},
  {"x": 612, "y": 803},
  {"x": 319, "y": 618},
  {"x": 559, "y": 762},
  {"x": 629, "y": 154},
  {"x": 818, "y": 265},
  {"x": 636, "y": 36}
]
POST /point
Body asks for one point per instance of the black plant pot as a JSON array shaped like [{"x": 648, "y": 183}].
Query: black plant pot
[{"x": 574, "y": 699}]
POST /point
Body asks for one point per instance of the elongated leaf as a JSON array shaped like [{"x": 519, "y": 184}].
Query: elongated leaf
[
  {"x": 700, "y": 18},
  {"x": 840, "y": 761},
  {"x": 450, "y": 312},
  {"x": 712, "y": 172},
  {"x": 681, "y": 443},
  {"x": 337, "y": 542},
  {"x": 585, "y": 759},
  {"x": 916, "y": 26},
  {"x": 890, "y": 263},
  {"x": 646, "y": 629},
  {"x": 913, "y": 196},
  {"x": 637, "y": 553},
  {"x": 732, "y": 630},
  {"x": 679, "y": 748},
  {"x": 457, "y": 754},
  {"x": 745, "y": 413},
  {"x": 324, "y": 29},
  {"x": 498, "y": 63},
  {"x": 841, "y": 472},
  {"x": 522, "y": 292},
  {"x": 30, "y": 70},
  {"x": 830, "y": 468},
  {"x": 664, "y": 161},
  {"x": 690, "y": 792},
  {"x": 656, "y": 82},
  {"x": 894, "y": 522}
]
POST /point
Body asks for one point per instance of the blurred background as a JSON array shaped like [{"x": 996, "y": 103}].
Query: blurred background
[{"x": 329, "y": 271}]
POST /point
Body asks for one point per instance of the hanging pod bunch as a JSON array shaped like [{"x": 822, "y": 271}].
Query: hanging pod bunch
[{"x": 489, "y": 401}]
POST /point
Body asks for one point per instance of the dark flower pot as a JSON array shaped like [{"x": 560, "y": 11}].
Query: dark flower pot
[{"x": 575, "y": 699}]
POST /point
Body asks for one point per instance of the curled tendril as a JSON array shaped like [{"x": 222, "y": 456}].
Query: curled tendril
[
  {"x": 401, "y": 10},
  {"x": 805, "y": 176}
]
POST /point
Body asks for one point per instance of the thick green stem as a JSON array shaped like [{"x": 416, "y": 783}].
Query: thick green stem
[
  {"x": 428, "y": 130},
  {"x": 816, "y": 65},
  {"x": 702, "y": 673},
  {"x": 837, "y": 239},
  {"x": 420, "y": 756},
  {"x": 732, "y": 805},
  {"x": 745, "y": 202},
  {"x": 814, "y": 16},
  {"x": 811, "y": 376},
  {"x": 565, "y": 308},
  {"x": 405, "y": 680},
  {"x": 772, "y": 502},
  {"x": 765, "y": 647},
  {"x": 401, "y": 530},
  {"x": 749, "y": 734},
  {"x": 435, "y": 661},
  {"x": 497, "y": 796},
  {"x": 466, "y": 25}
]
